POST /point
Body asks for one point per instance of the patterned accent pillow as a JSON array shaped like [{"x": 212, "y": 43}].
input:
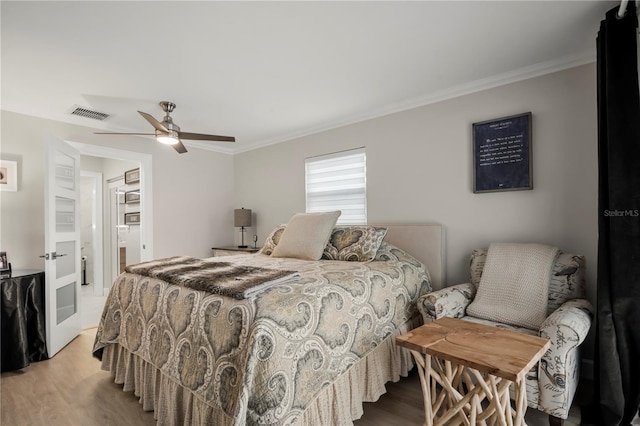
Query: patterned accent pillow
[
  {"x": 354, "y": 243},
  {"x": 272, "y": 240},
  {"x": 567, "y": 277}
]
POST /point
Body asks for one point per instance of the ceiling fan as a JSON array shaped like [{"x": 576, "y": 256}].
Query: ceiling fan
[{"x": 169, "y": 133}]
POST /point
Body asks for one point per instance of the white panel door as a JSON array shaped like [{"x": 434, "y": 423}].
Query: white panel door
[{"x": 62, "y": 243}]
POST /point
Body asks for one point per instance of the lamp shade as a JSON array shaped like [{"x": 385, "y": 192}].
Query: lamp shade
[{"x": 241, "y": 217}]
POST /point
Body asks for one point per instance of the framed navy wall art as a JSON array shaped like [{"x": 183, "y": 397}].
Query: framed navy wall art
[{"x": 502, "y": 154}]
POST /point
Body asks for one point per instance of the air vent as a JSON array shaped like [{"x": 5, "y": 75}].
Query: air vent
[{"x": 88, "y": 113}]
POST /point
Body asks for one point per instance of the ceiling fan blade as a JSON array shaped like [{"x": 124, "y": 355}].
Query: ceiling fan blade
[
  {"x": 155, "y": 123},
  {"x": 179, "y": 147},
  {"x": 202, "y": 137},
  {"x": 120, "y": 133}
]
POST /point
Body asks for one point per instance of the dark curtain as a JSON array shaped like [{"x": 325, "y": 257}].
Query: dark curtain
[{"x": 617, "y": 350}]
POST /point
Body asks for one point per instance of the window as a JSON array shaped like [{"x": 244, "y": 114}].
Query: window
[{"x": 338, "y": 182}]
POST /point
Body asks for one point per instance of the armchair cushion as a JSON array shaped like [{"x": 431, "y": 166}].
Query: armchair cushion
[{"x": 566, "y": 283}]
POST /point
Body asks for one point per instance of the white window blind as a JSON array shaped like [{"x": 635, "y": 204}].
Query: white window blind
[{"x": 338, "y": 182}]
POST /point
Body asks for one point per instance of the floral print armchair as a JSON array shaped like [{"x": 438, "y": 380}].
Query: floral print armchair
[{"x": 551, "y": 384}]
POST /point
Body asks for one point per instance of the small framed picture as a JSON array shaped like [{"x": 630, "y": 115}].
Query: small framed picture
[
  {"x": 131, "y": 197},
  {"x": 8, "y": 175},
  {"x": 132, "y": 176},
  {"x": 132, "y": 218}
]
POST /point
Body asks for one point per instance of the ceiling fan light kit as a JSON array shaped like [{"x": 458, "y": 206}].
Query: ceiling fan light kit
[
  {"x": 167, "y": 138},
  {"x": 167, "y": 132}
]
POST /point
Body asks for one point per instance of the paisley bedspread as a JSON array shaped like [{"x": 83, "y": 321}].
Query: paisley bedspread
[{"x": 264, "y": 359}]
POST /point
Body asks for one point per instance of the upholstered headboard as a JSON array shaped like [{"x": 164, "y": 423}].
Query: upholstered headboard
[{"x": 425, "y": 243}]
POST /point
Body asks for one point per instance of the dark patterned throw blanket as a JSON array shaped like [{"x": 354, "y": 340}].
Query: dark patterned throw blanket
[{"x": 224, "y": 278}]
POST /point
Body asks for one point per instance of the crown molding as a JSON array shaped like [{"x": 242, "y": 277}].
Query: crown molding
[{"x": 520, "y": 74}]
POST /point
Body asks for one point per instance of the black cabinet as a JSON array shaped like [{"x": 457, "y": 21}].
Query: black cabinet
[{"x": 24, "y": 338}]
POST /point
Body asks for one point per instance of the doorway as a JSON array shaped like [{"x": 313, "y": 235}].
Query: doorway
[
  {"x": 107, "y": 242},
  {"x": 100, "y": 268},
  {"x": 123, "y": 232},
  {"x": 91, "y": 225},
  {"x": 92, "y": 297}
]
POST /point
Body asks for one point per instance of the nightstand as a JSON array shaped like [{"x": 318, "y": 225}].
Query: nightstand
[{"x": 230, "y": 251}]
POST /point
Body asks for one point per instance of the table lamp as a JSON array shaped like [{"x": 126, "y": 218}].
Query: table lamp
[{"x": 242, "y": 219}]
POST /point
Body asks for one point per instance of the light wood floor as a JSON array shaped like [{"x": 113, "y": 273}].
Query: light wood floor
[{"x": 71, "y": 389}]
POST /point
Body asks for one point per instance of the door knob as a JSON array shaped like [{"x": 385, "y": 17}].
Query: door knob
[
  {"x": 55, "y": 255},
  {"x": 46, "y": 256}
]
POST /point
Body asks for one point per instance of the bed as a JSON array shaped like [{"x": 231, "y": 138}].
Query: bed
[{"x": 307, "y": 351}]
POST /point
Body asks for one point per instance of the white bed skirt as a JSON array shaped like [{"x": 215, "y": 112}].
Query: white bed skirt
[{"x": 338, "y": 404}]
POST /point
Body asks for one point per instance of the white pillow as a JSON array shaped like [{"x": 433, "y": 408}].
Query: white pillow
[
  {"x": 306, "y": 235},
  {"x": 514, "y": 287}
]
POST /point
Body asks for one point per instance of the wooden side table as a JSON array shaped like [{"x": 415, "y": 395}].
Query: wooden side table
[
  {"x": 231, "y": 250},
  {"x": 462, "y": 363}
]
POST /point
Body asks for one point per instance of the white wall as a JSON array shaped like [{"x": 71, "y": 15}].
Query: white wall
[
  {"x": 92, "y": 164},
  {"x": 419, "y": 169},
  {"x": 193, "y": 192}
]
